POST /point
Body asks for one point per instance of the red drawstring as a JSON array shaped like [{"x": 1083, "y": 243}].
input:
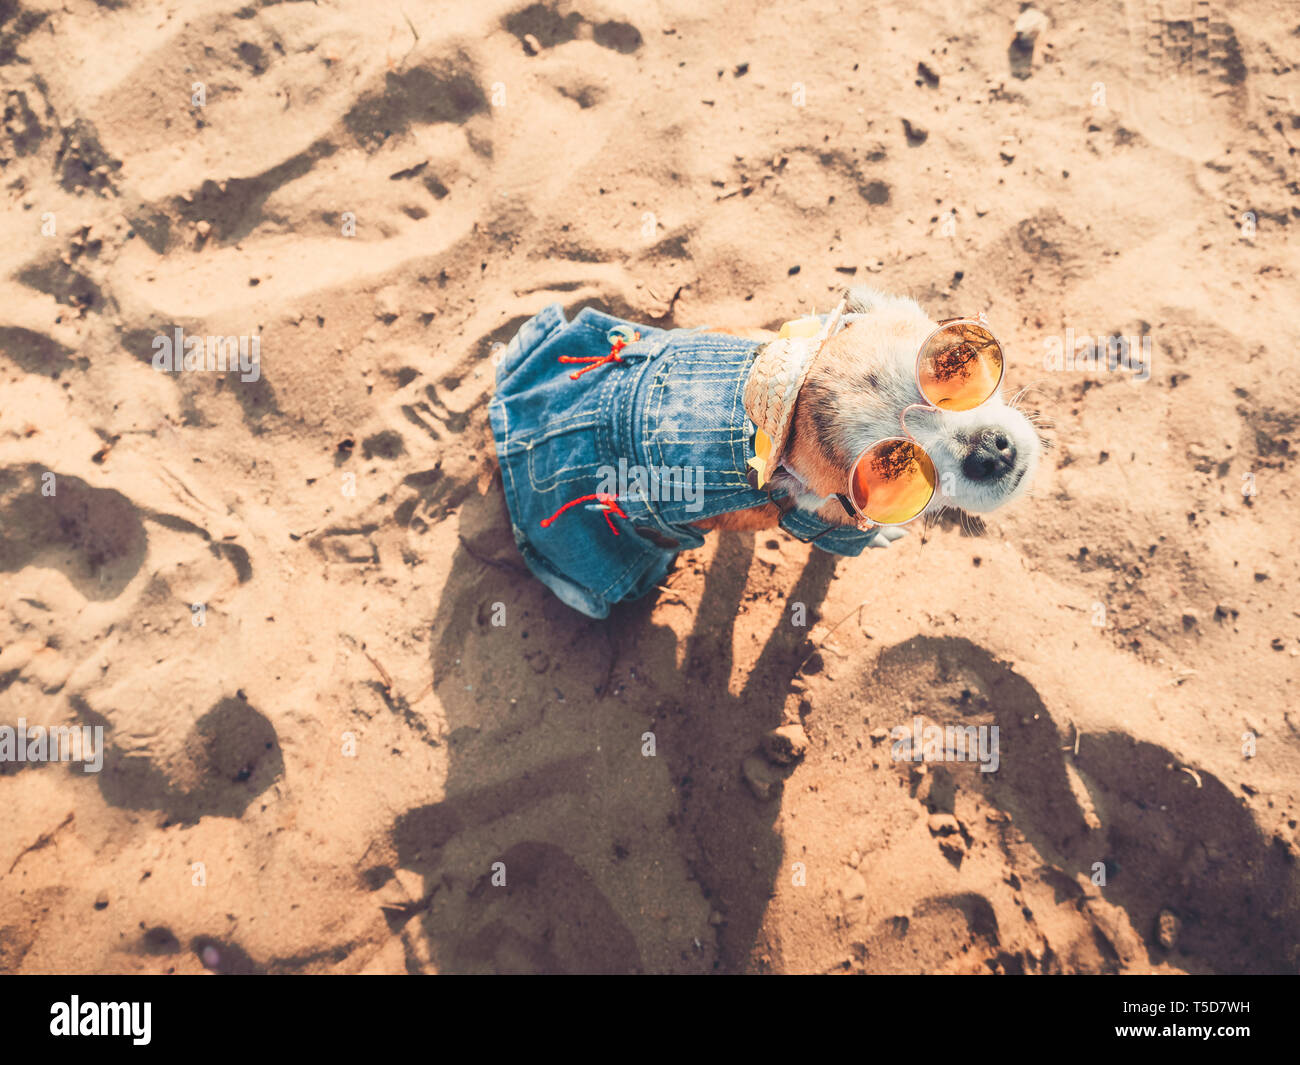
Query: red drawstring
[
  {"x": 619, "y": 338},
  {"x": 616, "y": 345},
  {"x": 608, "y": 502}
]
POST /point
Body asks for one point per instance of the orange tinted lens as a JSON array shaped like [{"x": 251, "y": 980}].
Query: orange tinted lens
[
  {"x": 893, "y": 481},
  {"x": 960, "y": 366}
]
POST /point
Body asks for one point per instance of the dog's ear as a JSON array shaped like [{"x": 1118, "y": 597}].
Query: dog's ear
[{"x": 863, "y": 299}]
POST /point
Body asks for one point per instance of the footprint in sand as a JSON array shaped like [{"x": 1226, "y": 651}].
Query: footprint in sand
[
  {"x": 1187, "y": 74},
  {"x": 1170, "y": 840},
  {"x": 230, "y": 757},
  {"x": 94, "y": 536},
  {"x": 937, "y": 933}
]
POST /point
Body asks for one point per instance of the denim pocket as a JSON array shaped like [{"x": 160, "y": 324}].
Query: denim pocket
[{"x": 564, "y": 458}]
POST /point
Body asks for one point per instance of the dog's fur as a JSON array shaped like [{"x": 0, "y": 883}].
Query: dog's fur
[{"x": 862, "y": 381}]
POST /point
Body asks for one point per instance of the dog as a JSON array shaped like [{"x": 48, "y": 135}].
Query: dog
[{"x": 611, "y": 470}]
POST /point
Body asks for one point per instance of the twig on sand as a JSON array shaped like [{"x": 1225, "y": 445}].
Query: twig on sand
[
  {"x": 45, "y": 839},
  {"x": 671, "y": 594},
  {"x": 388, "y": 681},
  {"x": 413, "y": 34},
  {"x": 855, "y": 611},
  {"x": 603, "y": 690},
  {"x": 1073, "y": 746}
]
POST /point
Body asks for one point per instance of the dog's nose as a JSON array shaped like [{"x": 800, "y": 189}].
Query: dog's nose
[{"x": 991, "y": 455}]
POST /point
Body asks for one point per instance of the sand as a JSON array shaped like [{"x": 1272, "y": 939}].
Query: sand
[{"x": 346, "y": 732}]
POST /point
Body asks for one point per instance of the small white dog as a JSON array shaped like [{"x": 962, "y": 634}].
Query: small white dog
[{"x": 838, "y": 430}]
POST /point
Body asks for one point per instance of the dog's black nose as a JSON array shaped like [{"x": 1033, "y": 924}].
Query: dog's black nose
[{"x": 992, "y": 455}]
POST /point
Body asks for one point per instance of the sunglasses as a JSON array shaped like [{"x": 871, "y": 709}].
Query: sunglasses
[{"x": 959, "y": 367}]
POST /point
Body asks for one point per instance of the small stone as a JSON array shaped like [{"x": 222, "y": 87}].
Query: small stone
[
  {"x": 943, "y": 825},
  {"x": 1029, "y": 25},
  {"x": 879, "y": 734},
  {"x": 953, "y": 848},
  {"x": 101, "y": 901},
  {"x": 854, "y": 887},
  {"x": 761, "y": 778},
  {"x": 203, "y": 228},
  {"x": 387, "y": 306},
  {"x": 855, "y": 859},
  {"x": 1167, "y": 928},
  {"x": 715, "y": 918},
  {"x": 786, "y": 745},
  {"x": 532, "y": 46},
  {"x": 1191, "y": 618},
  {"x": 916, "y": 135}
]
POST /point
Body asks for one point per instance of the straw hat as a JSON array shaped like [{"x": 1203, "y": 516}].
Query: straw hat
[{"x": 774, "y": 382}]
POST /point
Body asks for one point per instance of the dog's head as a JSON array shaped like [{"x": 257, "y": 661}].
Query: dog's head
[{"x": 861, "y": 383}]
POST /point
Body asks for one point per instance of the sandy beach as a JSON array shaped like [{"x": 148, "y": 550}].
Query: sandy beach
[{"x": 345, "y": 731}]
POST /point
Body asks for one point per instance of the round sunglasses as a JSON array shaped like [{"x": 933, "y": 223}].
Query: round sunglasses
[{"x": 959, "y": 367}]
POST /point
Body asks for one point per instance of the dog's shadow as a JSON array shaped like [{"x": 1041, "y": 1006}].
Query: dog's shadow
[{"x": 594, "y": 817}]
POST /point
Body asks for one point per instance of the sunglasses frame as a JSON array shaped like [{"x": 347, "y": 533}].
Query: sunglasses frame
[{"x": 846, "y": 498}]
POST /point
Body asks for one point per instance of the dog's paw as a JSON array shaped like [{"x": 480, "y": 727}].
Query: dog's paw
[{"x": 886, "y": 535}]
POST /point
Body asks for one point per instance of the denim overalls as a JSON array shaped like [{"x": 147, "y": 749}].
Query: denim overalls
[{"x": 671, "y": 409}]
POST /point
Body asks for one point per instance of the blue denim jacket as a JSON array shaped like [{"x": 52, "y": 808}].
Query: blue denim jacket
[{"x": 668, "y": 417}]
